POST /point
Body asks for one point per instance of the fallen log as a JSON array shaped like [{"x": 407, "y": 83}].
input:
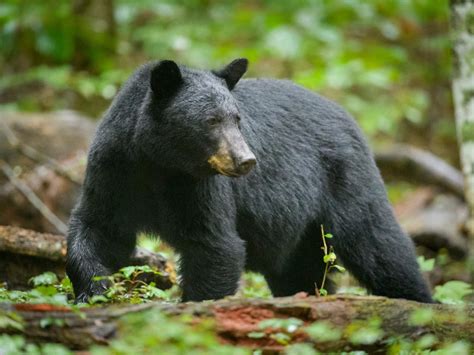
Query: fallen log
[
  {"x": 25, "y": 253},
  {"x": 435, "y": 221},
  {"x": 236, "y": 319},
  {"x": 407, "y": 163}
]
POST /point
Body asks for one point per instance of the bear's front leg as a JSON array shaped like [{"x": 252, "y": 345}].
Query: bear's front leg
[
  {"x": 211, "y": 269},
  {"x": 94, "y": 252}
]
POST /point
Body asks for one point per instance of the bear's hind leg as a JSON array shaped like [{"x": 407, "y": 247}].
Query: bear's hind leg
[{"x": 376, "y": 251}]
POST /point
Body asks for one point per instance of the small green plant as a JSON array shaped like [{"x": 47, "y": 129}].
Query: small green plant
[
  {"x": 421, "y": 317},
  {"x": 10, "y": 320},
  {"x": 280, "y": 330},
  {"x": 254, "y": 286},
  {"x": 17, "y": 344},
  {"x": 329, "y": 259},
  {"x": 322, "y": 331},
  {"x": 132, "y": 284},
  {"x": 426, "y": 265},
  {"x": 365, "y": 332},
  {"x": 452, "y": 292},
  {"x": 46, "y": 289}
]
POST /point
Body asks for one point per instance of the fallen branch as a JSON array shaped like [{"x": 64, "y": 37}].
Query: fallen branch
[
  {"x": 236, "y": 318},
  {"x": 435, "y": 221},
  {"x": 407, "y": 163},
  {"x": 25, "y": 253}
]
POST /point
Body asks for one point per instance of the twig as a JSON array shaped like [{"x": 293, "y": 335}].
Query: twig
[
  {"x": 36, "y": 156},
  {"x": 33, "y": 198}
]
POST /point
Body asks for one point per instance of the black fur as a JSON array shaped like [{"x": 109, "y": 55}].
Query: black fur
[{"x": 148, "y": 171}]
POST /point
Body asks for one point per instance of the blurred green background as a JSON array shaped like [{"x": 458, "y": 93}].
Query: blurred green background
[{"x": 386, "y": 61}]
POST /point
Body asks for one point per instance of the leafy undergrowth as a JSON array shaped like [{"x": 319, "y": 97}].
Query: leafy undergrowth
[
  {"x": 154, "y": 332},
  {"x": 130, "y": 285}
]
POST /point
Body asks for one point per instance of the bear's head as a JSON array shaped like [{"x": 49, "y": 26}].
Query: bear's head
[{"x": 190, "y": 121}]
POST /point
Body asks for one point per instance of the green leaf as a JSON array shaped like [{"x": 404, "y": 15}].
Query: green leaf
[
  {"x": 322, "y": 331},
  {"x": 421, "y": 316},
  {"x": 300, "y": 349},
  {"x": 289, "y": 324},
  {"x": 46, "y": 278},
  {"x": 426, "y": 341},
  {"x": 338, "y": 267},
  {"x": 281, "y": 338},
  {"x": 329, "y": 258},
  {"x": 98, "y": 299},
  {"x": 323, "y": 292},
  {"x": 128, "y": 271},
  {"x": 328, "y": 236},
  {"x": 366, "y": 336},
  {"x": 10, "y": 320},
  {"x": 426, "y": 265},
  {"x": 452, "y": 292},
  {"x": 363, "y": 332},
  {"x": 256, "y": 335}
]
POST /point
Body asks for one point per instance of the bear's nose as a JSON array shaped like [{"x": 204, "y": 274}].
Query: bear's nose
[{"x": 246, "y": 164}]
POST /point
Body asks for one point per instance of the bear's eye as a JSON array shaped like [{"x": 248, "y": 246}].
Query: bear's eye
[{"x": 213, "y": 121}]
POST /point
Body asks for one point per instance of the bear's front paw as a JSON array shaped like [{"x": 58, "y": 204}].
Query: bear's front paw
[
  {"x": 82, "y": 298},
  {"x": 95, "y": 289}
]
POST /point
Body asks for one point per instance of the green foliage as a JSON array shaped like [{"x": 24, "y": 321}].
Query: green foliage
[
  {"x": 322, "y": 331},
  {"x": 47, "y": 289},
  {"x": 16, "y": 344},
  {"x": 383, "y": 60},
  {"x": 300, "y": 349},
  {"x": 365, "y": 333},
  {"x": 10, "y": 320},
  {"x": 254, "y": 286},
  {"x": 128, "y": 285},
  {"x": 426, "y": 265},
  {"x": 421, "y": 316},
  {"x": 151, "y": 332},
  {"x": 427, "y": 344},
  {"x": 45, "y": 279},
  {"x": 289, "y": 325},
  {"x": 452, "y": 292},
  {"x": 279, "y": 329}
]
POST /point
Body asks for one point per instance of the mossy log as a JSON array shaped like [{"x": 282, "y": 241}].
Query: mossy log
[{"x": 234, "y": 319}]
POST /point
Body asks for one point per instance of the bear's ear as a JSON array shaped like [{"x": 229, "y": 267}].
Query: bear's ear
[
  {"x": 165, "y": 78},
  {"x": 233, "y": 71}
]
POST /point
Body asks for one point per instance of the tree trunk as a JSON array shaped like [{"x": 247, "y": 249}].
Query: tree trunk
[
  {"x": 463, "y": 93},
  {"x": 234, "y": 319}
]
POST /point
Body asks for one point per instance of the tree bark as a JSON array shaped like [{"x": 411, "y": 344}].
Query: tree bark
[
  {"x": 462, "y": 17},
  {"x": 234, "y": 319}
]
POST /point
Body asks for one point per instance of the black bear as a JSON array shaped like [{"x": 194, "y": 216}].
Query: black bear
[{"x": 235, "y": 175}]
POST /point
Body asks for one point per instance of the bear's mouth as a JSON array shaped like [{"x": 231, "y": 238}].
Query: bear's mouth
[
  {"x": 228, "y": 173},
  {"x": 224, "y": 165}
]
